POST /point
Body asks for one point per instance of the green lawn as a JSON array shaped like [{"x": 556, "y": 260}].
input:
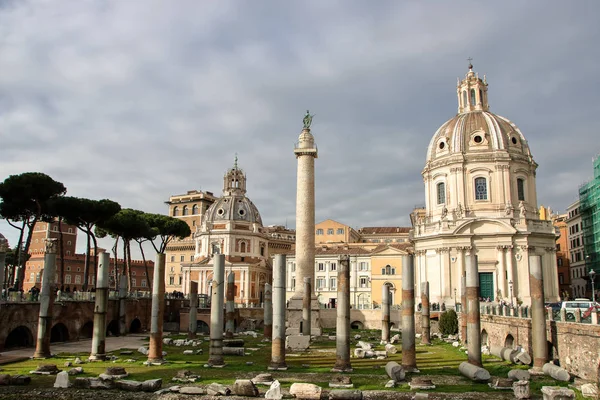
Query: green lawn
[{"x": 438, "y": 361}]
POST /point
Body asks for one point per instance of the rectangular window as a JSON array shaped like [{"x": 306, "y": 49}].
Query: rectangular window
[
  {"x": 171, "y": 280},
  {"x": 363, "y": 266},
  {"x": 133, "y": 282},
  {"x": 330, "y": 231},
  {"x": 172, "y": 258},
  {"x": 320, "y": 283},
  {"x": 521, "y": 189},
  {"x": 319, "y": 231},
  {"x": 182, "y": 258},
  {"x": 321, "y": 267},
  {"x": 293, "y": 283},
  {"x": 441, "y": 193},
  {"x": 480, "y": 189},
  {"x": 180, "y": 279},
  {"x": 143, "y": 283},
  {"x": 333, "y": 283},
  {"x": 561, "y": 279},
  {"x": 192, "y": 258},
  {"x": 363, "y": 282},
  {"x": 340, "y": 231},
  {"x": 77, "y": 279},
  {"x": 67, "y": 278},
  {"x": 333, "y": 267}
]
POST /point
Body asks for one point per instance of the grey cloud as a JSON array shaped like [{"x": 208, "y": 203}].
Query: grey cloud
[{"x": 137, "y": 101}]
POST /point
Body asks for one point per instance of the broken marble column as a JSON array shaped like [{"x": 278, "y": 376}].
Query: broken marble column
[
  {"x": 473, "y": 322},
  {"x": 474, "y": 372},
  {"x": 385, "y": 313},
  {"x": 306, "y": 323},
  {"x": 278, "y": 341},
  {"x": 268, "y": 312},
  {"x": 463, "y": 309},
  {"x": 538, "y": 313},
  {"x": 425, "y": 321},
  {"x": 342, "y": 327},
  {"x": 158, "y": 311},
  {"x": 556, "y": 372},
  {"x": 122, "y": 304},
  {"x": 98, "y": 352},
  {"x": 230, "y": 306},
  {"x": 557, "y": 393},
  {"x": 42, "y": 346},
  {"x": 409, "y": 355},
  {"x": 193, "y": 314},
  {"x": 215, "y": 357}
]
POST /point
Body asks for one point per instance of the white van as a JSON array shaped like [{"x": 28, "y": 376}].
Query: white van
[{"x": 578, "y": 304}]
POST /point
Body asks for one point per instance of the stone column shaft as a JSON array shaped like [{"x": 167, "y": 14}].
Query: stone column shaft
[
  {"x": 268, "y": 309},
  {"x": 425, "y": 321},
  {"x": 473, "y": 322},
  {"x": 42, "y": 348},
  {"x": 538, "y": 312},
  {"x": 101, "y": 306},
  {"x": 278, "y": 343},
  {"x": 122, "y": 305},
  {"x": 215, "y": 358},
  {"x": 230, "y": 306},
  {"x": 193, "y": 315},
  {"x": 342, "y": 360},
  {"x": 409, "y": 356},
  {"x": 306, "y": 303},
  {"x": 158, "y": 310},
  {"x": 463, "y": 308},
  {"x": 385, "y": 313}
]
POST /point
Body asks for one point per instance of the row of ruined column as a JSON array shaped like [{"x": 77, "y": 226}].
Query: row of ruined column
[{"x": 275, "y": 315}]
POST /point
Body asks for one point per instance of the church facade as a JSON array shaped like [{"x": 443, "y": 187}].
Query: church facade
[{"x": 480, "y": 194}]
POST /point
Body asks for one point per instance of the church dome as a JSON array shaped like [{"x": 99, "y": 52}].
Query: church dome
[
  {"x": 233, "y": 205},
  {"x": 475, "y": 129},
  {"x": 233, "y": 208}
]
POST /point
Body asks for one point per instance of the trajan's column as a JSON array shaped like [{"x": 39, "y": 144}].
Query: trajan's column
[{"x": 306, "y": 152}]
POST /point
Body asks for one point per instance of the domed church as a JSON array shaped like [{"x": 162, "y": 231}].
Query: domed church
[
  {"x": 232, "y": 226},
  {"x": 480, "y": 196}
]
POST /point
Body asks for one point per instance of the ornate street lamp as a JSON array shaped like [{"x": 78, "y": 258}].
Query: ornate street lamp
[{"x": 510, "y": 285}]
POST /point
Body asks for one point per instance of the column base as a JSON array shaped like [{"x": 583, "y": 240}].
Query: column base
[
  {"x": 39, "y": 356},
  {"x": 97, "y": 357},
  {"x": 342, "y": 369},
  {"x": 155, "y": 361},
  {"x": 277, "y": 367}
]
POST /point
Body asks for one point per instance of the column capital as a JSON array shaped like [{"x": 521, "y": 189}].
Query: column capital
[
  {"x": 51, "y": 245},
  {"x": 442, "y": 249},
  {"x": 550, "y": 249},
  {"x": 527, "y": 247}
]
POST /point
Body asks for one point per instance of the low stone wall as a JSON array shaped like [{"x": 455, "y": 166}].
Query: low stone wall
[{"x": 575, "y": 345}]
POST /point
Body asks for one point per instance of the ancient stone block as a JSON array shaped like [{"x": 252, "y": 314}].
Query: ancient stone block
[
  {"x": 244, "y": 387},
  {"x": 306, "y": 391}
]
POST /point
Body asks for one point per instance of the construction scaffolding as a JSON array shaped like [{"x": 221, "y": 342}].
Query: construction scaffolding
[{"x": 589, "y": 198}]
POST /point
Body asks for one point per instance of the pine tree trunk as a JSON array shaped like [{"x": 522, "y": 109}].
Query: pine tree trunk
[
  {"x": 116, "y": 264},
  {"x": 86, "y": 268},
  {"x": 23, "y": 260},
  {"x": 95, "y": 269},
  {"x": 148, "y": 277},
  {"x": 129, "y": 285}
]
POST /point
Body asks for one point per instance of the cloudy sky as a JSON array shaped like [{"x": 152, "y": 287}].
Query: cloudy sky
[{"x": 139, "y": 100}]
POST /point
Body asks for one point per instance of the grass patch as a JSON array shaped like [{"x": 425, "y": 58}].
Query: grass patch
[{"x": 438, "y": 362}]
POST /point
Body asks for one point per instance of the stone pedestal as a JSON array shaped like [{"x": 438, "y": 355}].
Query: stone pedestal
[{"x": 295, "y": 316}]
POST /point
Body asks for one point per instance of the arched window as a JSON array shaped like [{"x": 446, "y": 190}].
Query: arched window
[
  {"x": 521, "y": 189},
  {"x": 464, "y": 98},
  {"x": 441, "y": 193},
  {"x": 175, "y": 211},
  {"x": 481, "y": 96},
  {"x": 481, "y": 189},
  {"x": 32, "y": 277},
  {"x": 473, "y": 100},
  {"x": 186, "y": 210},
  {"x": 242, "y": 247},
  {"x": 195, "y": 209}
]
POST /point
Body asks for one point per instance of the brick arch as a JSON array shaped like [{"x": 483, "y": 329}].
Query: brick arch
[
  {"x": 21, "y": 336},
  {"x": 509, "y": 341},
  {"x": 484, "y": 337}
]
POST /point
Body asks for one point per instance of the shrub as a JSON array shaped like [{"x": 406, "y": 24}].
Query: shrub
[{"x": 449, "y": 322}]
